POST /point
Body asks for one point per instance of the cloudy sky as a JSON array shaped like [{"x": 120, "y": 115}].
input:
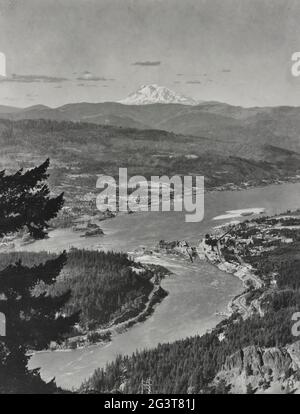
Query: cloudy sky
[{"x": 236, "y": 51}]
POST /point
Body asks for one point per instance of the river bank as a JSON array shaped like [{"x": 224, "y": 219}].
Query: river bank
[
  {"x": 102, "y": 336},
  {"x": 239, "y": 249},
  {"x": 244, "y": 272},
  {"x": 163, "y": 250},
  {"x": 82, "y": 212}
]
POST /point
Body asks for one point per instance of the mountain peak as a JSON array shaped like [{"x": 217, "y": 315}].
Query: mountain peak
[{"x": 151, "y": 94}]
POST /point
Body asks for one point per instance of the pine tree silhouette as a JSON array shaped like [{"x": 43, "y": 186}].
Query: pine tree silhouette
[
  {"x": 32, "y": 320},
  {"x": 25, "y": 202}
]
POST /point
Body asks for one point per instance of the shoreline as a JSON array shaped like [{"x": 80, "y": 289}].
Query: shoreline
[
  {"x": 243, "y": 271},
  {"x": 105, "y": 352},
  {"x": 143, "y": 315},
  {"x": 15, "y": 244},
  {"x": 82, "y": 341},
  {"x": 109, "y": 214}
]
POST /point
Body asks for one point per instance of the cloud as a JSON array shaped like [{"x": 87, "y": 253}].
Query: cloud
[
  {"x": 31, "y": 95},
  {"x": 147, "y": 63},
  {"x": 88, "y": 76},
  {"x": 32, "y": 79},
  {"x": 193, "y": 82},
  {"x": 85, "y": 85},
  {"x": 8, "y": 98}
]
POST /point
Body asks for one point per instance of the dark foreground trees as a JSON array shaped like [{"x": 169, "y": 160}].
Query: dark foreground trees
[{"x": 33, "y": 317}]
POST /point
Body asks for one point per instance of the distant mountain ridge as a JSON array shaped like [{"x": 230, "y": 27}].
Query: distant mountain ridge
[{"x": 222, "y": 123}]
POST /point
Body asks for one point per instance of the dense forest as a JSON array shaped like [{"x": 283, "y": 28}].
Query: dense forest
[
  {"x": 104, "y": 285},
  {"x": 191, "y": 364}
]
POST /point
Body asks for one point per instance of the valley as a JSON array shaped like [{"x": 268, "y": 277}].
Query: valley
[
  {"x": 198, "y": 293},
  {"x": 241, "y": 170},
  {"x": 149, "y": 199}
]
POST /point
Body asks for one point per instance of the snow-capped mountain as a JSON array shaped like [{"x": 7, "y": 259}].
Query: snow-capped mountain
[{"x": 151, "y": 94}]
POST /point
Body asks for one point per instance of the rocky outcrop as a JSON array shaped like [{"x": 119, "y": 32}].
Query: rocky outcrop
[{"x": 262, "y": 370}]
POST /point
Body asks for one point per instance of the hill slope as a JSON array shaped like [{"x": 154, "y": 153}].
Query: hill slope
[
  {"x": 278, "y": 126},
  {"x": 80, "y": 151}
]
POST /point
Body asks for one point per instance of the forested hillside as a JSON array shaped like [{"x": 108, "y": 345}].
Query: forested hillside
[
  {"x": 79, "y": 151},
  {"x": 104, "y": 286}
]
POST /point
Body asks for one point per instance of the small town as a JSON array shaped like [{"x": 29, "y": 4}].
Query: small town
[{"x": 233, "y": 246}]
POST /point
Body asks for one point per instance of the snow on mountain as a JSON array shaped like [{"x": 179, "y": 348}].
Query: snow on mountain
[{"x": 151, "y": 94}]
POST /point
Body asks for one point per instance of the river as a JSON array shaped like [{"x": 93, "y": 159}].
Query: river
[{"x": 196, "y": 291}]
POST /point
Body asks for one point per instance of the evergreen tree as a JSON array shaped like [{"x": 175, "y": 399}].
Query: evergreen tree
[
  {"x": 32, "y": 319},
  {"x": 25, "y": 202}
]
